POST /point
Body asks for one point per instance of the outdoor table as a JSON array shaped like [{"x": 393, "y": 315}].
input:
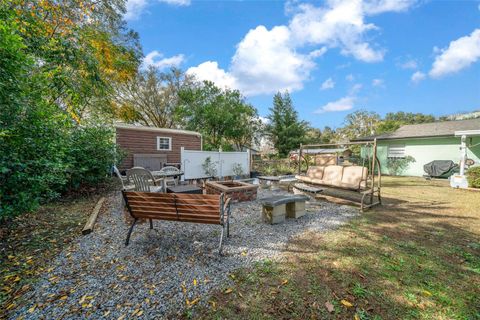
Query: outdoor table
[
  {"x": 188, "y": 188},
  {"x": 161, "y": 174}
]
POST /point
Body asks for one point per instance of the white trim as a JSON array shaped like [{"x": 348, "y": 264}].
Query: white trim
[
  {"x": 169, "y": 143},
  {"x": 164, "y": 130}
]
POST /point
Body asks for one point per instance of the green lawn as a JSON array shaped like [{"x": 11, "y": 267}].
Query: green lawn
[{"x": 416, "y": 257}]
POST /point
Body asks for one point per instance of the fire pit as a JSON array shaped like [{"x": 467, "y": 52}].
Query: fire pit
[{"x": 235, "y": 190}]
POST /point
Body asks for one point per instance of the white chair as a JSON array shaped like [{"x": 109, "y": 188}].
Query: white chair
[
  {"x": 171, "y": 180},
  {"x": 126, "y": 185},
  {"x": 144, "y": 181}
]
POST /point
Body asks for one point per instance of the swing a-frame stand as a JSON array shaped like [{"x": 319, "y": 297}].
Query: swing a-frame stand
[{"x": 364, "y": 180}]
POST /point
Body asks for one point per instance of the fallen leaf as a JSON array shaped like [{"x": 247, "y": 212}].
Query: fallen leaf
[
  {"x": 346, "y": 303},
  {"x": 229, "y": 290},
  {"x": 106, "y": 313},
  {"x": 32, "y": 309},
  {"x": 244, "y": 253},
  {"x": 426, "y": 293},
  {"x": 329, "y": 306},
  {"x": 356, "y": 317},
  {"x": 139, "y": 313},
  {"x": 284, "y": 282},
  {"x": 195, "y": 282}
]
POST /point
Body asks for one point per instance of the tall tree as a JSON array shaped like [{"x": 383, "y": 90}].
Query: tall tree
[
  {"x": 393, "y": 121},
  {"x": 152, "y": 98},
  {"x": 285, "y": 129},
  {"x": 221, "y": 115},
  {"x": 358, "y": 124}
]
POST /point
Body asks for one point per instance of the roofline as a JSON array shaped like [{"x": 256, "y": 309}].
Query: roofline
[
  {"x": 403, "y": 138},
  {"x": 155, "y": 129}
]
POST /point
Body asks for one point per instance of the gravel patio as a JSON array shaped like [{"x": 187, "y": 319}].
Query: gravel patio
[{"x": 165, "y": 270}]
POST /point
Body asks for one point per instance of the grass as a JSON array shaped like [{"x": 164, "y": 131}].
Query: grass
[
  {"x": 416, "y": 257},
  {"x": 29, "y": 242}
]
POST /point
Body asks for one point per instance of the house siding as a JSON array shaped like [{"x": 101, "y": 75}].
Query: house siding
[
  {"x": 427, "y": 150},
  {"x": 137, "y": 141}
]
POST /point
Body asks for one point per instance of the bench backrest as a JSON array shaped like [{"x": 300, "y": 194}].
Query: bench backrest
[
  {"x": 333, "y": 174},
  {"x": 355, "y": 176},
  {"x": 198, "y": 208}
]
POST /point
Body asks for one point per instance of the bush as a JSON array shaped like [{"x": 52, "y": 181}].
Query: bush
[
  {"x": 397, "y": 166},
  {"x": 473, "y": 177}
]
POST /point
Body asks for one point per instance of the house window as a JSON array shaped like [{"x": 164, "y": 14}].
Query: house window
[
  {"x": 396, "y": 151},
  {"x": 164, "y": 143}
]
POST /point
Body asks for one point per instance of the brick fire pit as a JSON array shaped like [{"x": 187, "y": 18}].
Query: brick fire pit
[{"x": 236, "y": 190}]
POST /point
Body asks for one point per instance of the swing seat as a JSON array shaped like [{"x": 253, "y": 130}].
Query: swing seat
[{"x": 353, "y": 178}]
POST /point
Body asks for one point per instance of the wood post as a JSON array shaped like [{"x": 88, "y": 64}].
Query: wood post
[
  {"x": 300, "y": 159},
  {"x": 93, "y": 217}
]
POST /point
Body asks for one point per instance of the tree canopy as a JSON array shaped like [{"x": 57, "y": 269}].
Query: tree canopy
[{"x": 286, "y": 131}]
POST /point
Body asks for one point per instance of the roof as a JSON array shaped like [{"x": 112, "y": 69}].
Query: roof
[
  {"x": 426, "y": 130},
  {"x": 162, "y": 130},
  {"x": 321, "y": 151}
]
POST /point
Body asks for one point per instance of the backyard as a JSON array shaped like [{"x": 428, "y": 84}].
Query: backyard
[{"x": 417, "y": 256}]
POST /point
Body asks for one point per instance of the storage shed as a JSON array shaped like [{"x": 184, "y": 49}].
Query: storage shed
[{"x": 152, "y": 147}]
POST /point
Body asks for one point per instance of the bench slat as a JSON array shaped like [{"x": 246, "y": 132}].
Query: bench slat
[
  {"x": 194, "y": 210},
  {"x": 180, "y": 218},
  {"x": 172, "y": 205},
  {"x": 177, "y": 195}
]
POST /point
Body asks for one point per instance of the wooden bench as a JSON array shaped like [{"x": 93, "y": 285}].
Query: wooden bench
[
  {"x": 276, "y": 208},
  {"x": 195, "y": 208}
]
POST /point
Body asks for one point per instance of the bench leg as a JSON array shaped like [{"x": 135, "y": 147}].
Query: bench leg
[
  {"x": 151, "y": 224},
  {"x": 130, "y": 232},
  {"x": 221, "y": 242}
]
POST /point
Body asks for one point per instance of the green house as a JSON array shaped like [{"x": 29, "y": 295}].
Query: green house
[{"x": 427, "y": 142}]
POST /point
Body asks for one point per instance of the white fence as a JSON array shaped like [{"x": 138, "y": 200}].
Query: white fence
[{"x": 224, "y": 161}]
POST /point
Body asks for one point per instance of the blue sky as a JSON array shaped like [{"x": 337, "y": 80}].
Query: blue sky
[{"x": 333, "y": 56}]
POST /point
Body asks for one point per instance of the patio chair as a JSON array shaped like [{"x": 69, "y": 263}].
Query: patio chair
[
  {"x": 144, "y": 181},
  {"x": 170, "y": 180},
  {"x": 126, "y": 184}
]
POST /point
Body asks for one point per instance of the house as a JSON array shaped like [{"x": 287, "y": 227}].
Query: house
[
  {"x": 427, "y": 142},
  {"x": 152, "y": 147}
]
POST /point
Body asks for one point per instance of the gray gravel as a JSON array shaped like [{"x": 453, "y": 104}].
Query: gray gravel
[{"x": 98, "y": 277}]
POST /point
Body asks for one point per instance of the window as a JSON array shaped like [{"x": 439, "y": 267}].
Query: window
[
  {"x": 396, "y": 151},
  {"x": 164, "y": 143}
]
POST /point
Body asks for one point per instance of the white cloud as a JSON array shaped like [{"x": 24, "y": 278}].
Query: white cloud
[
  {"x": 460, "y": 54},
  {"x": 265, "y": 62},
  {"x": 328, "y": 84},
  {"x": 156, "y": 59},
  {"x": 269, "y": 60},
  {"x": 355, "y": 89},
  {"x": 342, "y": 104},
  {"x": 350, "y": 77},
  {"x": 135, "y": 9},
  {"x": 378, "y": 83},
  {"x": 417, "y": 77},
  {"x": 177, "y": 2},
  {"x": 210, "y": 71},
  {"x": 341, "y": 24},
  {"x": 380, "y": 6},
  {"x": 409, "y": 64}
]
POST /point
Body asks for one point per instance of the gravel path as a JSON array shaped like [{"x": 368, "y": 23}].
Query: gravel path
[{"x": 164, "y": 269}]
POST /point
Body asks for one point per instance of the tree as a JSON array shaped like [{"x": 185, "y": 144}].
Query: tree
[
  {"x": 358, "y": 124},
  {"x": 152, "y": 98},
  {"x": 221, "y": 115},
  {"x": 393, "y": 121},
  {"x": 286, "y": 131}
]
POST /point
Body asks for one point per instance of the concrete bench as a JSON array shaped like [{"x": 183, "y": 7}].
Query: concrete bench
[{"x": 277, "y": 208}]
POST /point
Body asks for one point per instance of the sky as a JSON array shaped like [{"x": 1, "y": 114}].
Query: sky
[{"x": 334, "y": 56}]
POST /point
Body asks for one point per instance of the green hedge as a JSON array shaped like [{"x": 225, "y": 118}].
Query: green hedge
[{"x": 473, "y": 177}]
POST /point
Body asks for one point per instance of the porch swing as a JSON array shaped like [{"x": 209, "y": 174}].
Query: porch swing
[{"x": 362, "y": 180}]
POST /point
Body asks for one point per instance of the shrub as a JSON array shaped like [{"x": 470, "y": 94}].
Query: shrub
[
  {"x": 209, "y": 167},
  {"x": 397, "y": 166},
  {"x": 473, "y": 177},
  {"x": 237, "y": 169}
]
